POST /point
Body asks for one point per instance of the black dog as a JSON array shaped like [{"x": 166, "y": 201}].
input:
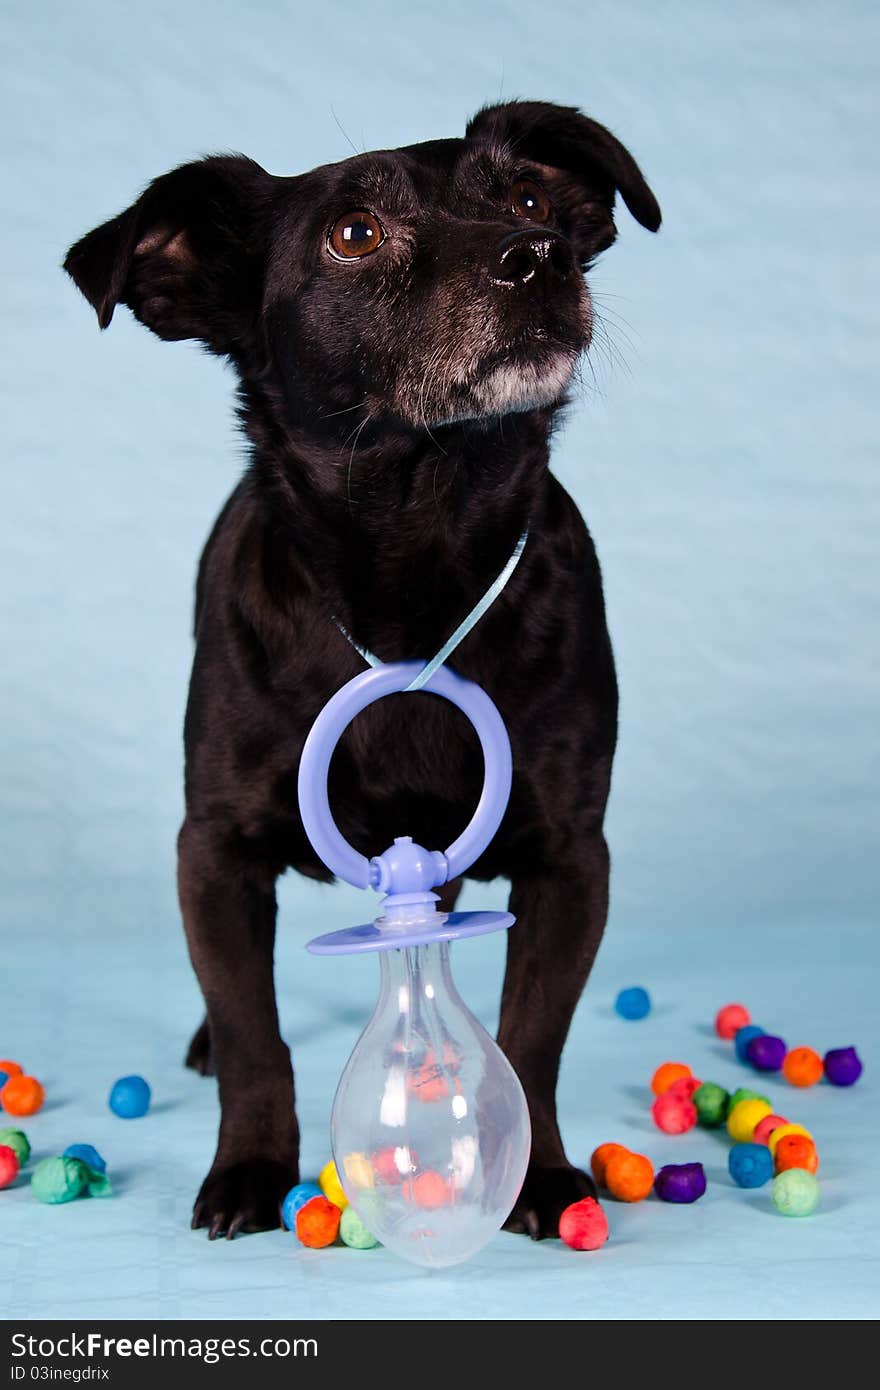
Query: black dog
[{"x": 404, "y": 325}]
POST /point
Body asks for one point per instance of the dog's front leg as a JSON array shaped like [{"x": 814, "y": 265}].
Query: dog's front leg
[
  {"x": 228, "y": 906},
  {"x": 560, "y": 919}
]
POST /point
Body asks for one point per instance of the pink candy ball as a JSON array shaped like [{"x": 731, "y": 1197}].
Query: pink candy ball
[
  {"x": 674, "y": 1114},
  {"x": 684, "y": 1087},
  {"x": 764, "y": 1128},
  {"x": 730, "y": 1019},
  {"x": 583, "y": 1225},
  {"x": 8, "y": 1165}
]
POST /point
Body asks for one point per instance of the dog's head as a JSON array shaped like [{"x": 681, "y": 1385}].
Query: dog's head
[{"x": 433, "y": 283}]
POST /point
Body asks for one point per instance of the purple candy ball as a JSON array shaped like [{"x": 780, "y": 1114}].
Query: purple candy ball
[
  {"x": 843, "y": 1066},
  {"x": 766, "y": 1053},
  {"x": 680, "y": 1182}
]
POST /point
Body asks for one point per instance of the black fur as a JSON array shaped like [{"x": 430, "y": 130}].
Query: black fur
[{"x": 399, "y": 409}]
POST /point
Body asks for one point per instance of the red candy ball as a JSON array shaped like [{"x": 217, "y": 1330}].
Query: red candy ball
[
  {"x": 583, "y": 1225},
  {"x": 674, "y": 1114},
  {"x": 8, "y": 1165},
  {"x": 730, "y": 1019},
  {"x": 764, "y": 1128},
  {"x": 684, "y": 1087}
]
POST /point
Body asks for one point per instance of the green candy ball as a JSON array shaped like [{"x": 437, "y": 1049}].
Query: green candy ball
[
  {"x": 712, "y": 1104},
  {"x": 354, "y": 1233},
  {"x": 15, "y": 1140},
  {"x": 795, "y": 1192},
  {"x": 58, "y": 1180},
  {"x": 743, "y": 1093}
]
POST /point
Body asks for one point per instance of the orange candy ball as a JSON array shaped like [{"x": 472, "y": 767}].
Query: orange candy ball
[
  {"x": 629, "y": 1177},
  {"x": 667, "y": 1073},
  {"x": 803, "y": 1067},
  {"x": 22, "y": 1095},
  {"x": 428, "y": 1190},
  {"x": 796, "y": 1151},
  {"x": 10, "y": 1068},
  {"x": 600, "y": 1158},
  {"x": 317, "y": 1223}
]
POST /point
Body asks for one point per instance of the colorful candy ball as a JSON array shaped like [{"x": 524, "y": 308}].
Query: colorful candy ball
[
  {"x": 354, "y": 1233},
  {"x": 843, "y": 1066},
  {"x": 667, "y": 1073},
  {"x": 317, "y": 1223},
  {"x": 359, "y": 1170},
  {"x": 795, "y": 1192},
  {"x": 743, "y": 1093},
  {"x": 743, "y": 1118},
  {"x": 58, "y": 1180},
  {"x": 632, "y": 1003},
  {"x": 295, "y": 1199},
  {"x": 674, "y": 1114},
  {"x": 764, "y": 1128},
  {"x": 429, "y": 1190},
  {"x": 10, "y": 1068},
  {"x": 17, "y": 1141},
  {"x": 600, "y": 1159},
  {"x": 743, "y": 1037},
  {"x": 584, "y": 1225},
  {"x": 391, "y": 1165},
  {"x": 328, "y": 1181},
  {"x": 629, "y": 1177},
  {"x": 750, "y": 1165},
  {"x": 9, "y": 1165},
  {"x": 766, "y": 1052},
  {"x": 780, "y": 1133},
  {"x": 88, "y": 1155},
  {"x": 680, "y": 1182},
  {"x": 730, "y": 1019},
  {"x": 129, "y": 1097},
  {"x": 684, "y": 1087},
  {"x": 795, "y": 1151},
  {"x": 802, "y": 1067},
  {"x": 22, "y": 1095},
  {"x": 711, "y": 1102}
]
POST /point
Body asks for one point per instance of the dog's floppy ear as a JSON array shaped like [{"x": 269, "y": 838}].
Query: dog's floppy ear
[
  {"x": 188, "y": 257},
  {"x": 585, "y": 163}
]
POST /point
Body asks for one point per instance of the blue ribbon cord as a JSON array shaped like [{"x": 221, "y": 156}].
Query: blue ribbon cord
[{"x": 480, "y": 607}]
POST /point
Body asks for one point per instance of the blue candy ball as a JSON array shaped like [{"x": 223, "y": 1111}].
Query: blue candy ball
[
  {"x": 744, "y": 1037},
  {"x": 88, "y": 1155},
  {"x": 3, "y": 1079},
  {"x": 296, "y": 1198},
  {"x": 633, "y": 1003},
  {"x": 750, "y": 1165},
  {"x": 130, "y": 1097}
]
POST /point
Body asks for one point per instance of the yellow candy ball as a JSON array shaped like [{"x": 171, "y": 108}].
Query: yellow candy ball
[
  {"x": 780, "y": 1133},
  {"x": 743, "y": 1117},
  {"x": 328, "y": 1181},
  {"x": 359, "y": 1170}
]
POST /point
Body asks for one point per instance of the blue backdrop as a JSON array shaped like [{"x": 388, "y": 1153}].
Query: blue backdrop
[{"x": 722, "y": 451}]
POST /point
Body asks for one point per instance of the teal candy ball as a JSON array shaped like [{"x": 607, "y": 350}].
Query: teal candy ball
[
  {"x": 795, "y": 1192},
  {"x": 354, "y": 1233},
  {"x": 57, "y": 1180}
]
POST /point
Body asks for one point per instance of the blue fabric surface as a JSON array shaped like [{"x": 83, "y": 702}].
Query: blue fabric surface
[
  {"x": 121, "y": 998},
  {"x": 724, "y": 452}
]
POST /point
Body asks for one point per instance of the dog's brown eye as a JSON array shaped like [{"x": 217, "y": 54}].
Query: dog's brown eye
[
  {"x": 528, "y": 200},
  {"x": 355, "y": 235}
]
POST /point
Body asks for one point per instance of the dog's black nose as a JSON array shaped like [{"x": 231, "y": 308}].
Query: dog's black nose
[{"x": 535, "y": 253}]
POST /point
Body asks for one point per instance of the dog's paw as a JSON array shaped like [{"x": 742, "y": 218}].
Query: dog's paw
[
  {"x": 243, "y": 1197},
  {"x": 199, "y": 1056},
  {"x": 545, "y": 1194}
]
